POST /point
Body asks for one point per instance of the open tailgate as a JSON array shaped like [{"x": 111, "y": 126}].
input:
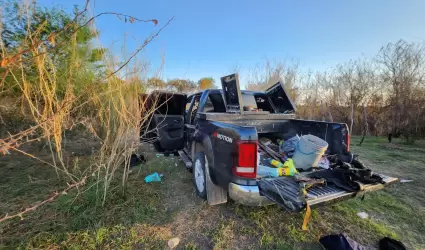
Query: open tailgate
[{"x": 285, "y": 192}]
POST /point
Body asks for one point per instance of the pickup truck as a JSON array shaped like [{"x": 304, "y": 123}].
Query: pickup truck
[{"x": 217, "y": 132}]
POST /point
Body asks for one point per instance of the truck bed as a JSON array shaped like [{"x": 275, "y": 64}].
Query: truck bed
[{"x": 285, "y": 190}]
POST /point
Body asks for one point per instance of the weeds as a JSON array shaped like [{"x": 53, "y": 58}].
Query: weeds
[{"x": 45, "y": 68}]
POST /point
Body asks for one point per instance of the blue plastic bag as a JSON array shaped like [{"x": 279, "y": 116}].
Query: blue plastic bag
[{"x": 155, "y": 177}]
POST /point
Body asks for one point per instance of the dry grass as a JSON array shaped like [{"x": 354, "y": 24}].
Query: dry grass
[
  {"x": 54, "y": 102},
  {"x": 160, "y": 211}
]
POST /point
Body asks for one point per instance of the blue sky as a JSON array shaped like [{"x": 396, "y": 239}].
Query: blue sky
[{"x": 208, "y": 38}]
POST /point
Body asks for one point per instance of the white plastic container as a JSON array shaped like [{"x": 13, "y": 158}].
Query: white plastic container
[{"x": 308, "y": 152}]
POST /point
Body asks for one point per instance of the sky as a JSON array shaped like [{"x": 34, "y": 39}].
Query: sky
[{"x": 211, "y": 38}]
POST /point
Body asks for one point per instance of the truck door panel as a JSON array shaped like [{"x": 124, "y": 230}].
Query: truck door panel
[{"x": 167, "y": 122}]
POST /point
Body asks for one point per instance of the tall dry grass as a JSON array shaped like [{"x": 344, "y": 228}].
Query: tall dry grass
[{"x": 107, "y": 106}]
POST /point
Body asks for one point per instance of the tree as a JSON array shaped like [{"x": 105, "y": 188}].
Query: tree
[
  {"x": 264, "y": 76},
  {"x": 402, "y": 69},
  {"x": 206, "y": 83},
  {"x": 156, "y": 83},
  {"x": 181, "y": 85},
  {"x": 59, "y": 38}
]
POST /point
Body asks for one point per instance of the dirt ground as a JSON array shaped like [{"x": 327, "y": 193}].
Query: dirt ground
[{"x": 148, "y": 215}]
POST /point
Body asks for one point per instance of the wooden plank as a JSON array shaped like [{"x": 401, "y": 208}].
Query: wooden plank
[{"x": 272, "y": 153}]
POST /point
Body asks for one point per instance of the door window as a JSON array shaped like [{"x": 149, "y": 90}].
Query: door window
[
  {"x": 194, "y": 108},
  {"x": 189, "y": 101}
]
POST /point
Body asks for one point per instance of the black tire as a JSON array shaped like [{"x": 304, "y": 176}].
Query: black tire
[{"x": 199, "y": 157}]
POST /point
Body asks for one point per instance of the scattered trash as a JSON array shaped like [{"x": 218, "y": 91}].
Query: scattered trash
[
  {"x": 289, "y": 168},
  {"x": 323, "y": 162},
  {"x": 363, "y": 215},
  {"x": 175, "y": 164},
  {"x": 307, "y": 183},
  {"x": 288, "y": 147},
  {"x": 340, "y": 242},
  {"x": 404, "y": 180},
  {"x": 265, "y": 141},
  {"x": 155, "y": 177},
  {"x": 268, "y": 171},
  {"x": 136, "y": 159},
  {"x": 286, "y": 169},
  {"x": 172, "y": 243},
  {"x": 159, "y": 155},
  {"x": 275, "y": 163}
]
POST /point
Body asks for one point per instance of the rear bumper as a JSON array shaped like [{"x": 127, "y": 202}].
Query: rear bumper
[{"x": 247, "y": 195}]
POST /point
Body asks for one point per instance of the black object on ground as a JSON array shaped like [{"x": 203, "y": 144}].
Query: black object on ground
[
  {"x": 340, "y": 242},
  {"x": 390, "y": 137},
  {"x": 391, "y": 244},
  {"x": 136, "y": 160}
]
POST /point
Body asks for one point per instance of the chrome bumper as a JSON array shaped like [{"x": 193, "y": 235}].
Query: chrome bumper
[{"x": 247, "y": 195}]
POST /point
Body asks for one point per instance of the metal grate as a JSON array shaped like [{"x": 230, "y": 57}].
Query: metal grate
[{"x": 319, "y": 191}]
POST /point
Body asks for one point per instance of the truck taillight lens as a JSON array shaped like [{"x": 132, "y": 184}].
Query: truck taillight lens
[
  {"x": 245, "y": 164},
  {"x": 347, "y": 140}
]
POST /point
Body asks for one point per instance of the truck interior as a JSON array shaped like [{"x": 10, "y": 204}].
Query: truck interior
[{"x": 165, "y": 113}]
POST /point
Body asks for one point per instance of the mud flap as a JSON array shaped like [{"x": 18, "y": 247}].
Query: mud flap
[{"x": 215, "y": 194}]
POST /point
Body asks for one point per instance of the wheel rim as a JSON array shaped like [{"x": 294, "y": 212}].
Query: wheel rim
[{"x": 199, "y": 176}]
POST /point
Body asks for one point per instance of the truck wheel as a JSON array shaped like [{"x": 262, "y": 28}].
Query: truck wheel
[{"x": 199, "y": 179}]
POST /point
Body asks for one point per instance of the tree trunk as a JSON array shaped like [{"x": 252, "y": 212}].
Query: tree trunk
[
  {"x": 365, "y": 127},
  {"x": 352, "y": 119},
  {"x": 331, "y": 119}
]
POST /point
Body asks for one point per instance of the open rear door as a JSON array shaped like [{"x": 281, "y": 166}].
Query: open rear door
[
  {"x": 280, "y": 99},
  {"x": 286, "y": 193},
  {"x": 167, "y": 122}
]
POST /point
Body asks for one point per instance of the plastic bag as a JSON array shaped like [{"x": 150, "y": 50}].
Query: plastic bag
[{"x": 288, "y": 147}]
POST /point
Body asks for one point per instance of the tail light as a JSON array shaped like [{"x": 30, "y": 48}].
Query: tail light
[
  {"x": 245, "y": 161},
  {"x": 347, "y": 140}
]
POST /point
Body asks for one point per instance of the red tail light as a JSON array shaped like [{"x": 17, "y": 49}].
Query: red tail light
[
  {"x": 347, "y": 140},
  {"x": 245, "y": 163}
]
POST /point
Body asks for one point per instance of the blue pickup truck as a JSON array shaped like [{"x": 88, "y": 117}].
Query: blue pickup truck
[{"x": 217, "y": 131}]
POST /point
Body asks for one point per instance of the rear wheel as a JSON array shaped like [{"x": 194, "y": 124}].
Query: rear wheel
[{"x": 199, "y": 179}]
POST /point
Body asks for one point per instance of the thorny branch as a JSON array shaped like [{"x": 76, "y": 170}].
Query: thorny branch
[
  {"x": 50, "y": 38},
  {"x": 14, "y": 141},
  {"x": 50, "y": 199},
  {"x": 147, "y": 41}
]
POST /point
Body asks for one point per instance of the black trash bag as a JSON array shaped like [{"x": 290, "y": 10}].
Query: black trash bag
[
  {"x": 340, "y": 242},
  {"x": 347, "y": 178},
  {"x": 391, "y": 244},
  {"x": 136, "y": 160},
  {"x": 350, "y": 158}
]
